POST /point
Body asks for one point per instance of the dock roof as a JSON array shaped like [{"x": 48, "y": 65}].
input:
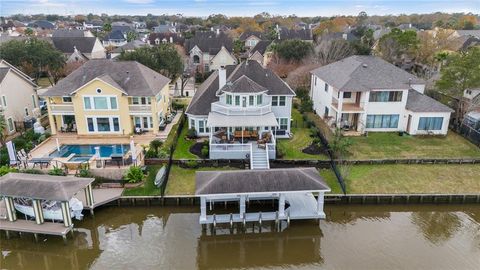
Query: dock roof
[
  {"x": 42, "y": 186},
  {"x": 259, "y": 181}
]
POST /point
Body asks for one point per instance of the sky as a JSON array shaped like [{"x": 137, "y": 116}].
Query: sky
[{"x": 237, "y": 7}]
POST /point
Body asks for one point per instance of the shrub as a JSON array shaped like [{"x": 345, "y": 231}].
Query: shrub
[
  {"x": 4, "y": 159},
  {"x": 155, "y": 145},
  {"x": 56, "y": 171},
  {"x": 306, "y": 105},
  {"x": 205, "y": 151},
  {"x": 316, "y": 140},
  {"x": 47, "y": 134},
  {"x": 32, "y": 171},
  {"x": 295, "y": 105},
  {"x": 192, "y": 164},
  {"x": 191, "y": 133},
  {"x": 178, "y": 106},
  {"x": 84, "y": 172},
  {"x": 20, "y": 143},
  {"x": 314, "y": 131},
  {"x": 162, "y": 154},
  {"x": 5, "y": 169},
  {"x": 280, "y": 151},
  {"x": 134, "y": 174},
  {"x": 150, "y": 153}
]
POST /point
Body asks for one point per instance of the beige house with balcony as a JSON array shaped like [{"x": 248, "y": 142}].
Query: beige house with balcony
[
  {"x": 18, "y": 96},
  {"x": 105, "y": 97}
]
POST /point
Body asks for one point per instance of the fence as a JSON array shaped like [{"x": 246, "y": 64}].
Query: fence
[{"x": 470, "y": 134}]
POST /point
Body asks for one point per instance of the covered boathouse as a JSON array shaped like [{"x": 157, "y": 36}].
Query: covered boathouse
[
  {"x": 41, "y": 188},
  {"x": 294, "y": 188}
]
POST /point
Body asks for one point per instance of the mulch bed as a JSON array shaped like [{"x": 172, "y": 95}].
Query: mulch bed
[
  {"x": 196, "y": 149},
  {"x": 314, "y": 149}
]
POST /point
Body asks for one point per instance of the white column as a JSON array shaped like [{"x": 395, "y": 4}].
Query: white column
[
  {"x": 67, "y": 219},
  {"x": 11, "y": 212},
  {"x": 320, "y": 200},
  {"x": 37, "y": 211},
  {"x": 281, "y": 205},
  {"x": 89, "y": 195},
  {"x": 242, "y": 206},
  {"x": 340, "y": 107},
  {"x": 203, "y": 208}
]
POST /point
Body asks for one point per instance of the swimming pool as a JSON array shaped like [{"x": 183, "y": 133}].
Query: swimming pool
[{"x": 84, "y": 151}]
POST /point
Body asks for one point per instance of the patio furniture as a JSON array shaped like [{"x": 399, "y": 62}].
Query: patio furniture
[
  {"x": 162, "y": 126},
  {"x": 117, "y": 159},
  {"x": 41, "y": 161},
  {"x": 254, "y": 134}
]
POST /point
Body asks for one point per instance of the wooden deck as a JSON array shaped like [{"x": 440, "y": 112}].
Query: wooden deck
[
  {"x": 101, "y": 196},
  {"x": 49, "y": 228}
]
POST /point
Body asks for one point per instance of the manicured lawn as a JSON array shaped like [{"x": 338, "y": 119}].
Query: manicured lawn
[
  {"x": 292, "y": 148},
  {"x": 389, "y": 146},
  {"x": 331, "y": 180},
  {"x": 182, "y": 150},
  {"x": 182, "y": 180},
  {"x": 171, "y": 138},
  {"x": 43, "y": 82},
  {"x": 408, "y": 178},
  {"x": 149, "y": 188}
]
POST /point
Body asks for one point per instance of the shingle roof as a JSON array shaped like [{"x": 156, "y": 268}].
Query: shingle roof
[
  {"x": 43, "y": 187},
  {"x": 161, "y": 36},
  {"x": 418, "y": 102},
  {"x": 248, "y": 34},
  {"x": 42, "y": 24},
  {"x": 302, "y": 34},
  {"x": 132, "y": 77},
  {"x": 115, "y": 35},
  {"x": 68, "y": 33},
  {"x": 258, "y": 181},
  {"x": 132, "y": 45},
  {"x": 206, "y": 93},
  {"x": 473, "y": 33},
  {"x": 261, "y": 47},
  {"x": 243, "y": 85},
  {"x": 3, "y": 72},
  {"x": 67, "y": 44},
  {"x": 364, "y": 73},
  {"x": 210, "y": 42}
]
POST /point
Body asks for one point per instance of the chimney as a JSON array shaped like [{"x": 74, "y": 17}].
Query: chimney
[
  {"x": 218, "y": 31},
  {"x": 171, "y": 39},
  {"x": 222, "y": 77},
  {"x": 344, "y": 36}
]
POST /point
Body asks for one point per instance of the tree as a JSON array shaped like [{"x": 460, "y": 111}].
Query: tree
[
  {"x": 461, "y": 72},
  {"x": 80, "y": 18},
  {"x": 332, "y": 50},
  {"x": 163, "y": 58},
  {"x": 131, "y": 36},
  {"x": 398, "y": 44},
  {"x": 362, "y": 18},
  {"x": 34, "y": 57},
  {"x": 28, "y": 32},
  {"x": 293, "y": 50},
  {"x": 107, "y": 27},
  {"x": 238, "y": 47},
  {"x": 340, "y": 144}
]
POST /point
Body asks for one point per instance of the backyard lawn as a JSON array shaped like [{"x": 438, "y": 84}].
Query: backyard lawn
[
  {"x": 149, "y": 188},
  {"x": 331, "y": 181},
  {"x": 182, "y": 180},
  {"x": 292, "y": 148},
  {"x": 182, "y": 150},
  {"x": 390, "y": 145},
  {"x": 408, "y": 178}
]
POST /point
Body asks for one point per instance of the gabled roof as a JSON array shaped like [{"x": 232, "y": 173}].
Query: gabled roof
[
  {"x": 418, "y": 102},
  {"x": 248, "y": 34},
  {"x": 5, "y": 67},
  {"x": 473, "y": 33},
  {"x": 130, "y": 46},
  {"x": 177, "y": 38},
  {"x": 259, "y": 181},
  {"x": 302, "y": 34},
  {"x": 261, "y": 47},
  {"x": 115, "y": 35},
  {"x": 243, "y": 85},
  {"x": 42, "y": 24},
  {"x": 264, "y": 77},
  {"x": 210, "y": 42},
  {"x": 68, "y": 33},
  {"x": 67, "y": 44},
  {"x": 364, "y": 73},
  {"x": 132, "y": 77},
  {"x": 42, "y": 186},
  {"x": 3, "y": 73}
]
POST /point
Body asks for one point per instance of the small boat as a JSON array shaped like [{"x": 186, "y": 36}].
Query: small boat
[
  {"x": 52, "y": 210},
  {"x": 161, "y": 176}
]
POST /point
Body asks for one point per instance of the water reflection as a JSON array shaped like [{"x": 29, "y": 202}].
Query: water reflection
[{"x": 364, "y": 237}]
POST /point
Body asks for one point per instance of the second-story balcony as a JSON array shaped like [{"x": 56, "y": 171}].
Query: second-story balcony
[
  {"x": 348, "y": 106},
  {"x": 62, "y": 109},
  {"x": 235, "y": 110},
  {"x": 140, "y": 109}
]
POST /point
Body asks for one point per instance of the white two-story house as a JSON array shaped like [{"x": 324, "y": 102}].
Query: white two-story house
[
  {"x": 366, "y": 93},
  {"x": 242, "y": 109}
]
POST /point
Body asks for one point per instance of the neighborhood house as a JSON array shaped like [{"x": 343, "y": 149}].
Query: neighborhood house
[
  {"x": 107, "y": 97},
  {"x": 242, "y": 109},
  {"x": 365, "y": 93}
]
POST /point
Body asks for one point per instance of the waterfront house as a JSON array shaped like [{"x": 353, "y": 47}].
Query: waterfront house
[
  {"x": 242, "y": 109},
  {"x": 366, "y": 93},
  {"x": 210, "y": 50},
  {"x": 109, "y": 97},
  {"x": 18, "y": 96}
]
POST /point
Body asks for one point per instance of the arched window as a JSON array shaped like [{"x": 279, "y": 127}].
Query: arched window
[{"x": 196, "y": 59}]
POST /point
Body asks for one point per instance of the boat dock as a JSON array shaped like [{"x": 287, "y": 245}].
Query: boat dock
[
  {"x": 28, "y": 226},
  {"x": 101, "y": 196}
]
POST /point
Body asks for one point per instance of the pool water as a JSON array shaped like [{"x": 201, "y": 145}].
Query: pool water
[{"x": 84, "y": 151}]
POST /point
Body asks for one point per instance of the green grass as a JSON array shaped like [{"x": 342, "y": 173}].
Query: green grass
[
  {"x": 182, "y": 180},
  {"x": 389, "y": 146},
  {"x": 331, "y": 180},
  {"x": 43, "y": 82},
  {"x": 182, "y": 150},
  {"x": 408, "y": 178},
  {"x": 171, "y": 138},
  {"x": 292, "y": 148},
  {"x": 149, "y": 188}
]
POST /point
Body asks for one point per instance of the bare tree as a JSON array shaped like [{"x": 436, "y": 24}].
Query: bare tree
[{"x": 331, "y": 50}]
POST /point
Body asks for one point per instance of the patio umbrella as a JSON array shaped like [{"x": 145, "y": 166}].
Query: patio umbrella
[
  {"x": 11, "y": 152},
  {"x": 132, "y": 150},
  {"x": 58, "y": 144}
]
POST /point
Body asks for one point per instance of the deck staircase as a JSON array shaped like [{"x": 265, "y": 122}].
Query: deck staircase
[{"x": 259, "y": 159}]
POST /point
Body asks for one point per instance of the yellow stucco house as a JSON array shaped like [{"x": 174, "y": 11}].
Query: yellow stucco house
[{"x": 109, "y": 97}]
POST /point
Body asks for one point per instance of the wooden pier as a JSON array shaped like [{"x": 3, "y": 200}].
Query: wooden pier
[
  {"x": 28, "y": 226},
  {"x": 101, "y": 197}
]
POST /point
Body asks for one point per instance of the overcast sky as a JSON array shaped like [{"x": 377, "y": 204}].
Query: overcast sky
[{"x": 237, "y": 7}]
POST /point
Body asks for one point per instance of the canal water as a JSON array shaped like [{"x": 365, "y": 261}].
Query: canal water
[{"x": 352, "y": 237}]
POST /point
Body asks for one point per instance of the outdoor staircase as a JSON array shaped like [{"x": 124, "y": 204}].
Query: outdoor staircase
[{"x": 259, "y": 159}]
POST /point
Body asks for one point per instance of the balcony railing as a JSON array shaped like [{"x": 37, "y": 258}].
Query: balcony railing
[
  {"x": 61, "y": 108},
  {"x": 140, "y": 108},
  {"x": 227, "y": 110}
]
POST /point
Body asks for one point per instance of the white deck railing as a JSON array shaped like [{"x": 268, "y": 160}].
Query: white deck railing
[
  {"x": 140, "y": 108},
  {"x": 230, "y": 110},
  {"x": 61, "y": 108}
]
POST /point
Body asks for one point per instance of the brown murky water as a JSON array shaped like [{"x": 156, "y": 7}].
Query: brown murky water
[{"x": 360, "y": 237}]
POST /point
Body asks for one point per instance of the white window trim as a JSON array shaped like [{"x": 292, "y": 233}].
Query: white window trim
[
  {"x": 95, "y": 125},
  {"x": 8, "y": 125},
  {"x": 92, "y": 104},
  {"x": 149, "y": 122},
  {"x": 4, "y": 101},
  {"x": 63, "y": 99}
]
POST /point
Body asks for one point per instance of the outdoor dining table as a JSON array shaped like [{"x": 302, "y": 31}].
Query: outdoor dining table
[{"x": 41, "y": 161}]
